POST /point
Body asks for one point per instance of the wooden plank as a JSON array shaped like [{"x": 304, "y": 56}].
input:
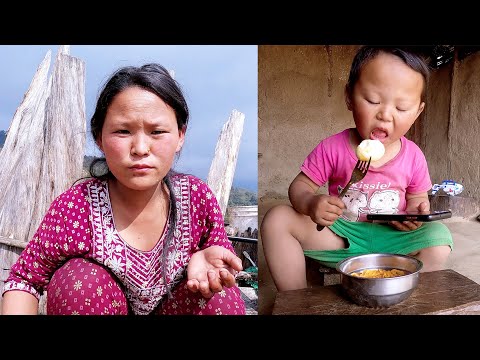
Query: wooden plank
[
  {"x": 13, "y": 242},
  {"x": 4, "y": 275},
  {"x": 8, "y": 255},
  {"x": 438, "y": 292}
]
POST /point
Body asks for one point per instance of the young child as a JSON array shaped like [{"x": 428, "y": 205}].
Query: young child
[
  {"x": 385, "y": 93},
  {"x": 137, "y": 238}
]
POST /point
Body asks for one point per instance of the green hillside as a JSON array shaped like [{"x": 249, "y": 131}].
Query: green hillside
[{"x": 242, "y": 197}]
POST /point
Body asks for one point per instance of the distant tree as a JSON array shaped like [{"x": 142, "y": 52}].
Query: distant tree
[
  {"x": 3, "y": 136},
  {"x": 87, "y": 160},
  {"x": 242, "y": 197}
]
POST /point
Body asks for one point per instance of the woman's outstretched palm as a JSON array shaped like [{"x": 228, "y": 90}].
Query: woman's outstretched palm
[{"x": 211, "y": 269}]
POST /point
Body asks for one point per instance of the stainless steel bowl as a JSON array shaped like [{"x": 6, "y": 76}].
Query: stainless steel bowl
[{"x": 379, "y": 292}]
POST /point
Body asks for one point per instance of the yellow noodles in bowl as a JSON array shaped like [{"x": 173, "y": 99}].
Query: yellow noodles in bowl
[{"x": 379, "y": 273}]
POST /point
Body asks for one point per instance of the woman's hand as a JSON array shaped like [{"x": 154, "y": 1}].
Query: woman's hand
[
  {"x": 411, "y": 225},
  {"x": 211, "y": 269}
]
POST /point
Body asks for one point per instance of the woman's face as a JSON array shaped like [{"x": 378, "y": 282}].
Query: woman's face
[
  {"x": 386, "y": 100},
  {"x": 140, "y": 138}
]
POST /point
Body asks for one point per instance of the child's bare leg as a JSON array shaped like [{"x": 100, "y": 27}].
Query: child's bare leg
[
  {"x": 433, "y": 258},
  {"x": 285, "y": 233}
]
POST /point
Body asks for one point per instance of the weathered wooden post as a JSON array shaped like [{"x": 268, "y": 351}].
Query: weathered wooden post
[
  {"x": 220, "y": 179},
  {"x": 65, "y": 133},
  {"x": 43, "y": 152},
  {"x": 20, "y": 158},
  {"x": 222, "y": 168}
]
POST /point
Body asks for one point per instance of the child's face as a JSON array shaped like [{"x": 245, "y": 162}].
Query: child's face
[
  {"x": 140, "y": 138},
  {"x": 386, "y": 100}
]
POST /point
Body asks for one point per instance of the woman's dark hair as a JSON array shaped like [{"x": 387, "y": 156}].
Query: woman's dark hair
[
  {"x": 366, "y": 53},
  {"x": 156, "y": 79}
]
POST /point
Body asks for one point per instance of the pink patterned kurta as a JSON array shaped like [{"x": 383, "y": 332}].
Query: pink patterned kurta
[{"x": 80, "y": 223}]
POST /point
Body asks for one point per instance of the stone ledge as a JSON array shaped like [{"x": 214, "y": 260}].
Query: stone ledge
[{"x": 460, "y": 206}]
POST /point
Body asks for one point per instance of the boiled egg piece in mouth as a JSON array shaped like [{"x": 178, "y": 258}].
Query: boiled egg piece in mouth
[{"x": 370, "y": 149}]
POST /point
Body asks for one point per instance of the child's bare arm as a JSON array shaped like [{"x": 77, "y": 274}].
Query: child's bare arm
[
  {"x": 414, "y": 202},
  {"x": 322, "y": 209},
  {"x": 301, "y": 192}
]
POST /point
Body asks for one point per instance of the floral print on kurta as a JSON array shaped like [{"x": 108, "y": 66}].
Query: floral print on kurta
[{"x": 79, "y": 223}]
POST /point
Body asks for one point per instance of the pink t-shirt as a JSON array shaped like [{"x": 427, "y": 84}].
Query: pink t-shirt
[{"x": 382, "y": 190}]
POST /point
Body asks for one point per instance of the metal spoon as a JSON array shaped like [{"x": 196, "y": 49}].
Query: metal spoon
[{"x": 249, "y": 258}]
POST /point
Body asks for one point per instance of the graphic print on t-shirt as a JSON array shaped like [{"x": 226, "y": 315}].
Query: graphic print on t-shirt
[
  {"x": 384, "y": 202},
  {"x": 355, "y": 200},
  {"x": 378, "y": 202}
]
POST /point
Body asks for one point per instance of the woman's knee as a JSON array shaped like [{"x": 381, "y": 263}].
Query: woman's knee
[
  {"x": 84, "y": 287},
  {"x": 226, "y": 302},
  {"x": 185, "y": 302}
]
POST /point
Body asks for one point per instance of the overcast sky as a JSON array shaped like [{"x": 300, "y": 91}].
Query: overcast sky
[{"x": 215, "y": 79}]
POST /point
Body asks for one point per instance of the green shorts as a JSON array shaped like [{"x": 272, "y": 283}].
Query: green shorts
[{"x": 366, "y": 238}]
